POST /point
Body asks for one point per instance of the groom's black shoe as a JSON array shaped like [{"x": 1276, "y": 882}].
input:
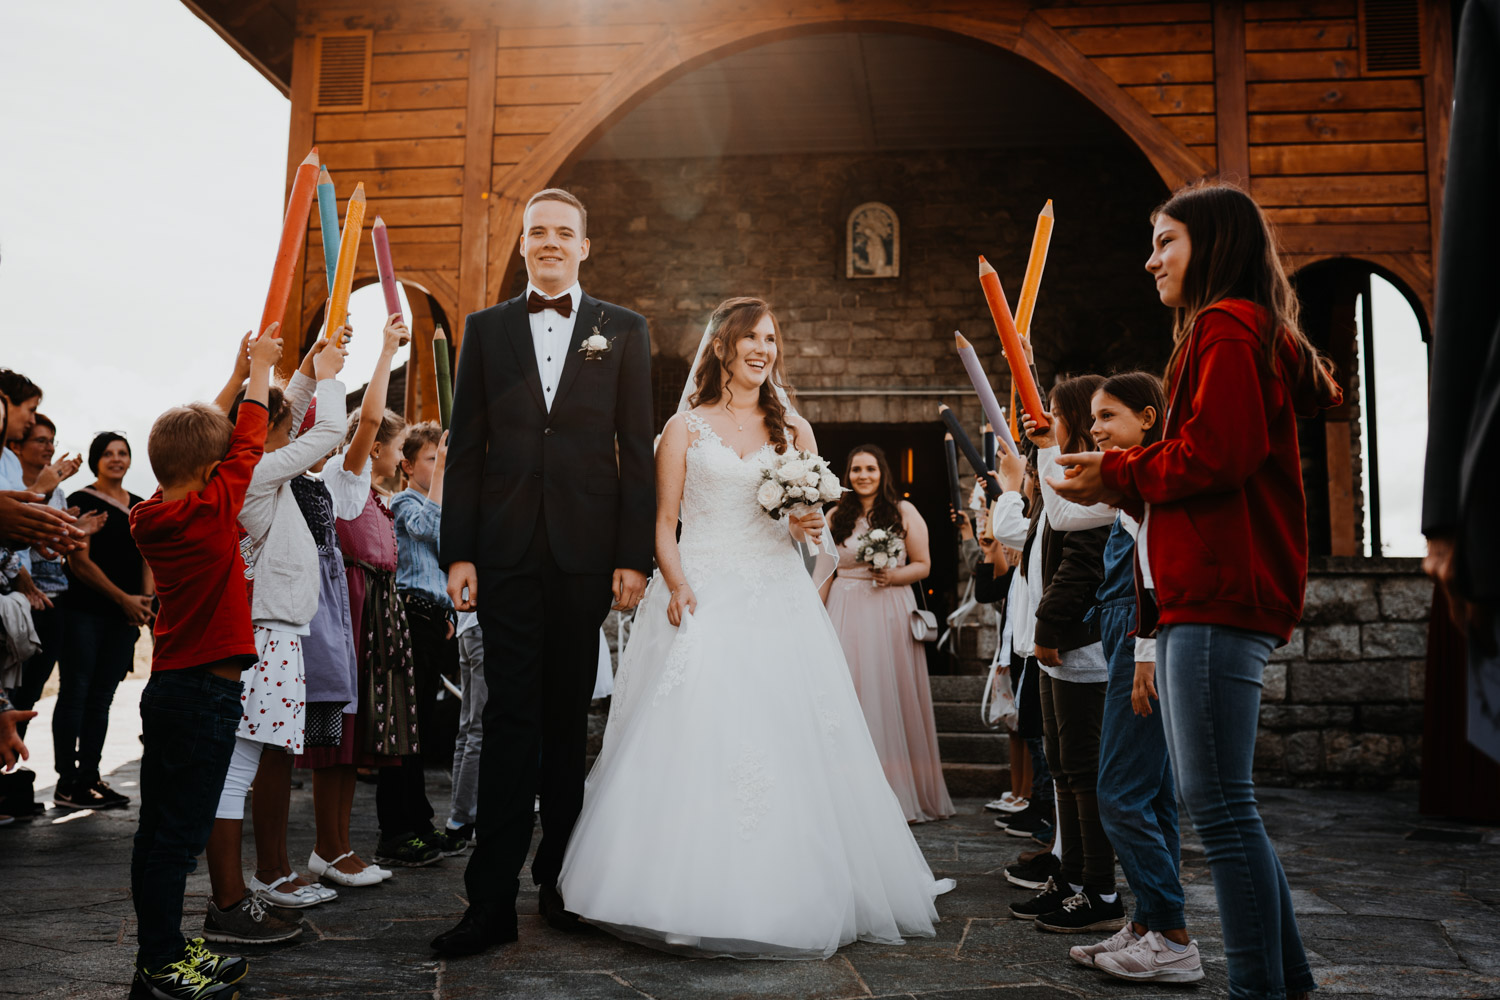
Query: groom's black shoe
[
  {"x": 473, "y": 935},
  {"x": 555, "y": 913}
]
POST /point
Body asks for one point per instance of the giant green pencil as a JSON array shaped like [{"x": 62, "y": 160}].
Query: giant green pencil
[
  {"x": 328, "y": 219},
  {"x": 440, "y": 367}
]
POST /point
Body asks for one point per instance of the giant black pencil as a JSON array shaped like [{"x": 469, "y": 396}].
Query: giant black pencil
[
  {"x": 971, "y": 454},
  {"x": 955, "y": 492}
]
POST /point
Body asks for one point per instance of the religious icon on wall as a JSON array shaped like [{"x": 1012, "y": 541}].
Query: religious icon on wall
[{"x": 872, "y": 246}]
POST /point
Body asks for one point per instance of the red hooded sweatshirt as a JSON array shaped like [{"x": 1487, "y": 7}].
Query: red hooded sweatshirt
[
  {"x": 193, "y": 547},
  {"x": 1228, "y": 521}
]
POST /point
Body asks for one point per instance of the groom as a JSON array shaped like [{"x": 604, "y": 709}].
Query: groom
[{"x": 549, "y": 511}]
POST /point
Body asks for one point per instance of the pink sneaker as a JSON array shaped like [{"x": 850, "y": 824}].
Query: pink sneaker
[
  {"x": 1123, "y": 938},
  {"x": 1151, "y": 959}
]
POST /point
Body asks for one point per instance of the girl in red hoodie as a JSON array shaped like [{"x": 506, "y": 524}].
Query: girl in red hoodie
[{"x": 1221, "y": 561}]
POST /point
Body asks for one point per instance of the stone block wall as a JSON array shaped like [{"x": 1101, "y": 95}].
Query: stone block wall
[{"x": 1342, "y": 704}]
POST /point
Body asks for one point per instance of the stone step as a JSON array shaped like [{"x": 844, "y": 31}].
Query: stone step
[
  {"x": 974, "y": 748},
  {"x": 960, "y": 717},
  {"x": 957, "y": 687},
  {"x": 966, "y": 780}
]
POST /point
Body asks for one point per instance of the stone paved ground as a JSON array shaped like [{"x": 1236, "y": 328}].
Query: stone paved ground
[{"x": 1384, "y": 915}]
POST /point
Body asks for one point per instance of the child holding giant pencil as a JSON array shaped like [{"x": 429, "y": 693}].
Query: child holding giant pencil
[{"x": 1223, "y": 488}]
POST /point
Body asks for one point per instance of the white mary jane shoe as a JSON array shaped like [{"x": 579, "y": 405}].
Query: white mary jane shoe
[
  {"x": 372, "y": 874},
  {"x": 325, "y": 894},
  {"x": 292, "y": 897}
]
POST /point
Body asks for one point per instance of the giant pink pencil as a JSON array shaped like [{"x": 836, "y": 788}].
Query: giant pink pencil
[{"x": 386, "y": 269}]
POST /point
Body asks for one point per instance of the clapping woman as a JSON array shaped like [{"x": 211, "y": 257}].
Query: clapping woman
[{"x": 871, "y": 609}]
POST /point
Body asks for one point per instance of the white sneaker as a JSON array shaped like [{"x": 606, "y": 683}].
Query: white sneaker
[
  {"x": 1007, "y": 803},
  {"x": 1123, "y": 938},
  {"x": 293, "y": 897},
  {"x": 371, "y": 875},
  {"x": 1151, "y": 959}
]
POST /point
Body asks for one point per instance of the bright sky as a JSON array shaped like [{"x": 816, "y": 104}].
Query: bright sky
[
  {"x": 142, "y": 185},
  {"x": 141, "y": 198}
]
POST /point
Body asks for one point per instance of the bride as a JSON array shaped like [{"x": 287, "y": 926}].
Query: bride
[{"x": 738, "y": 806}]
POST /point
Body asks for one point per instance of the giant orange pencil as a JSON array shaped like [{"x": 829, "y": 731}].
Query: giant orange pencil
[
  {"x": 293, "y": 235},
  {"x": 343, "y": 278},
  {"x": 1032, "y": 283},
  {"x": 1010, "y": 340}
]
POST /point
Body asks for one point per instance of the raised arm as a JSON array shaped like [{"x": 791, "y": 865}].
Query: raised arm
[{"x": 372, "y": 407}]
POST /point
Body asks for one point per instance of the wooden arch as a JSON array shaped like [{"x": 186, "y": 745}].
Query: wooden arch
[{"x": 676, "y": 51}]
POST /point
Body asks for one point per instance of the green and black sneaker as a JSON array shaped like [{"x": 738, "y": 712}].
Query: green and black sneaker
[
  {"x": 182, "y": 980},
  {"x": 222, "y": 968},
  {"x": 408, "y": 850}
]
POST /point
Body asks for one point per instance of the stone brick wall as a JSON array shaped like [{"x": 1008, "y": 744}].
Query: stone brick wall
[
  {"x": 1342, "y": 705},
  {"x": 672, "y": 238},
  {"x": 1343, "y": 700}
]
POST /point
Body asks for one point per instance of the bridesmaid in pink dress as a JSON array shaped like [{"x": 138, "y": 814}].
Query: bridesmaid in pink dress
[{"x": 871, "y": 610}]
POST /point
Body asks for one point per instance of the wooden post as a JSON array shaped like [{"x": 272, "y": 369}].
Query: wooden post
[
  {"x": 1231, "y": 128},
  {"x": 474, "y": 252},
  {"x": 1437, "y": 104}
]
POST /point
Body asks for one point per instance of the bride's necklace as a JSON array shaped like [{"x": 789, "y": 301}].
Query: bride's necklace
[{"x": 739, "y": 422}]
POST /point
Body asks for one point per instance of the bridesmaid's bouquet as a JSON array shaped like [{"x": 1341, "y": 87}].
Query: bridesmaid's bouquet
[
  {"x": 879, "y": 547},
  {"x": 796, "y": 482}
]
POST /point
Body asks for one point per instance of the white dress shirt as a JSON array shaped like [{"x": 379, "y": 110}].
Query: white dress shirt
[{"x": 551, "y": 333}]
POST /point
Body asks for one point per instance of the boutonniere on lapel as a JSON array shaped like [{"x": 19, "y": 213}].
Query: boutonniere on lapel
[{"x": 596, "y": 346}]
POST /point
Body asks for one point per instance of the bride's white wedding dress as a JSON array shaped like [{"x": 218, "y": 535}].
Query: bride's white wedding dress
[{"x": 738, "y": 806}]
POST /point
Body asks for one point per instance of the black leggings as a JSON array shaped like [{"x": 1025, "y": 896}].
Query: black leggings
[{"x": 1071, "y": 717}]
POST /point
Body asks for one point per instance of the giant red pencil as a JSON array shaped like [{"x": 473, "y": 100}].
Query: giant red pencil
[
  {"x": 1015, "y": 353},
  {"x": 293, "y": 235}
]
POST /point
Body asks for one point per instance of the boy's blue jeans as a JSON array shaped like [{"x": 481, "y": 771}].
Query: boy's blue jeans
[
  {"x": 1137, "y": 799},
  {"x": 1209, "y": 679},
  {"x": 188, "y": 720}
]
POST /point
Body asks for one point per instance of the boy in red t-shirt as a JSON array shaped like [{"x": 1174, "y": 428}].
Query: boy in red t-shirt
[{"x": 191, "y": 705}]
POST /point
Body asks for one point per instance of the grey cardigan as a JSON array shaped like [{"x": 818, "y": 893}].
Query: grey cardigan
[{"x": 281, "y": 555}]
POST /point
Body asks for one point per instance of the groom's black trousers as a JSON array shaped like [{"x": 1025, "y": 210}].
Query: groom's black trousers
[{"x": 541, "y": 654}]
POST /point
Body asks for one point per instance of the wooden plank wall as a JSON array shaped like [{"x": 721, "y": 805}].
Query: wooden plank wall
[{"x": 1341, "y": 163}]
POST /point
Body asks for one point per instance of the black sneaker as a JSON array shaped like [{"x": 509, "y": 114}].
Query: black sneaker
[
  {"x": 77, "y": 795},
  {"x": 1033, "y": 874},
  {"x": 448, "y": 842},
  {"x": 1050, "y": 898},
  {"x": 1003, "y": 820},
  {"x": 1081, "y": 912},
  {"x": 407, "y": 850},
  {"x": 111, "y": 799},
  {"x": 1028, "y": 822},
  {"x": 221, "y": 968},
  {"x": 182, "y": 980}
]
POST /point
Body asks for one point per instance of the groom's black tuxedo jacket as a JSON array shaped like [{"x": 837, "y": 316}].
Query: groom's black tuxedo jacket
[{"x": 510, "y": 459}]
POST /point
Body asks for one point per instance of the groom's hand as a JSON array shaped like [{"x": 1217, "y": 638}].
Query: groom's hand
[
  {"x": 629, "y": 585},
  {"x": 462, "y": 576}
]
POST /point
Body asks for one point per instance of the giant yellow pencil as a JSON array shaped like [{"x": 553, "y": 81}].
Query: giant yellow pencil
[
  {"x": 343, "y": 278},
  {"x": 1032, "y": 283}
]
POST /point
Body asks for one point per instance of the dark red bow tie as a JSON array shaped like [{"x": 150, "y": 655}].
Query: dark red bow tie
[{"x": 562, "y": 305}]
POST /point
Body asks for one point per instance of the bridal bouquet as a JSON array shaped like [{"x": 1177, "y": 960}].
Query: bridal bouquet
[
  {"x": 879, "y": 547},
  {"x": 798, "y": 481}
]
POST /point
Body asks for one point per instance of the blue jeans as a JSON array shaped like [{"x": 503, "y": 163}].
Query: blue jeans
[
  {"x": 97, "y": 653},
  {"x": 1137, "y": 800},
  {"x": 188, "y": 720},
  {"x": 1209, "y": 679}
]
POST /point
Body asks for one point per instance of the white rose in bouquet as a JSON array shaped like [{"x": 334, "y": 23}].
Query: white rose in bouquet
[
  {"x": 812, "y": 479},
  {"x": 880, "y": 559},
  {"x": 878, "y": 535},
  {"x": 792, "y": 472},
  {"x": 770, "y": 494},
  {"x": 828, "y": 486}
]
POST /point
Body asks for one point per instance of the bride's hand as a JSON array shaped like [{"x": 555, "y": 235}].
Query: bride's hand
[
  {"x": 682, "y": 603},
  {"x": 810, "y": 526}
]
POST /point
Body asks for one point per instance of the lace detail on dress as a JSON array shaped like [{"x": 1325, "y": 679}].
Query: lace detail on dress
[
  {"x": 723, "y": 527},
  {"x": 830, "y": 719},
  {"x": 753, "y": 785},
  {"x": 674, "y": 670}
]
